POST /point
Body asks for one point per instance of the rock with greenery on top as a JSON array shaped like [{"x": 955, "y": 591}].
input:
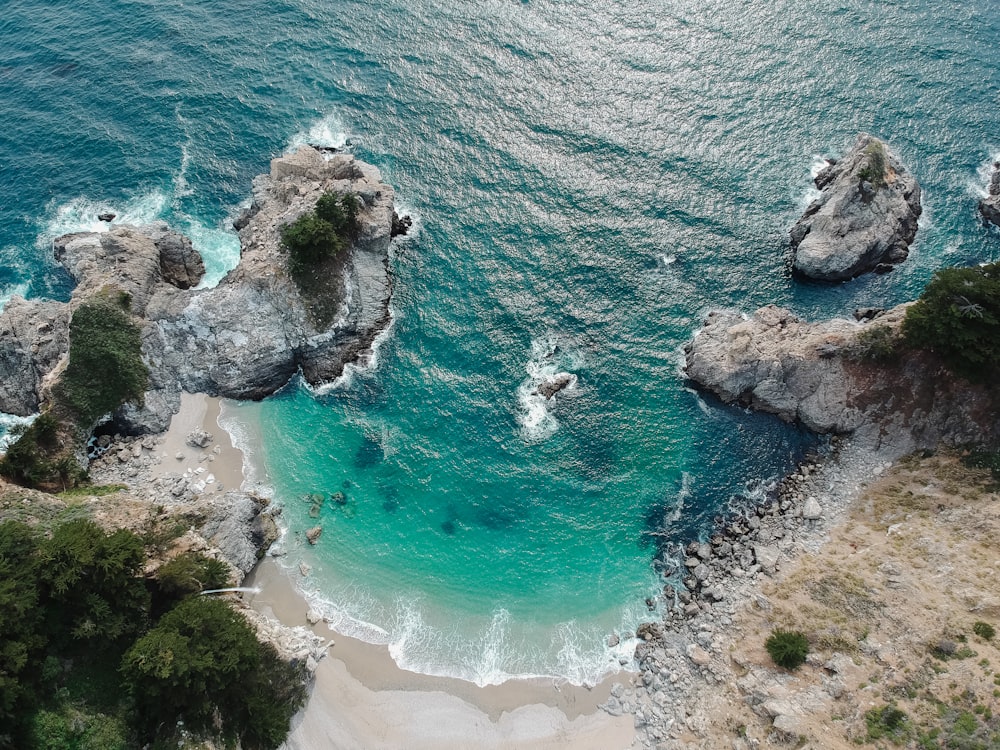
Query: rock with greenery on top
[{"x": 865, "y": 217}]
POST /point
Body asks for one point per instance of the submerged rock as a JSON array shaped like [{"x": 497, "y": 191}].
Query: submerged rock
[
  {"x": 865, "y": 217},
  {"x": 989, "y": 206},
  {"x": 552, "y": 385}
]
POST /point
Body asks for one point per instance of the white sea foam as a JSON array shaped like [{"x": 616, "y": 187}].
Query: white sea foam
[
  {"x": 810, "y": 192},
  {"x": 548, "y": 359},
  {"x": 9, "y": 421},
  {"x": 328, "y": 131},
  {"x": 7, "y": 292},
  {"x": 366, "y": 363},
  {"x": 219, "y": 247},
  {"x": 978, "y": 186},
  {"x": 80, "y": 215}
]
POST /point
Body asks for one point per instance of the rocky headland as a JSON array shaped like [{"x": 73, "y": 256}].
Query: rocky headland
[
  {"x": 989, "y": 206},
  {"x": 864, "y": 219},
  {"x": 244, "y": 338}
]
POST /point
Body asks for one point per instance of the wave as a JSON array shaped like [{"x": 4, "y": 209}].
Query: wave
[
  {"x": 485, "y": 652},
  {"x": 328, "y": 132},
  {"x": 548, "y": 361},
  {"x": 7, "y": 423},
  {"x": 806, "y": 195},
  {"x": 978, "y": 187},
  {"x": 21, "y": 289}
]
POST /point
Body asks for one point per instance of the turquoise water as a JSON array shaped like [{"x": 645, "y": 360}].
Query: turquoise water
[{"x": 586, "y": 180}]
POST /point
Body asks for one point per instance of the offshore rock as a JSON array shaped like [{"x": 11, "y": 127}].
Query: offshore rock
[
  {"x": 989, "y": 206},
  {"x": 244, "y": 338},
  {"x": 866, "y": 215}
]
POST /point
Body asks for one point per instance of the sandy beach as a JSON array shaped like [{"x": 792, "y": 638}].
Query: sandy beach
[{"x": 361, "y": 699}]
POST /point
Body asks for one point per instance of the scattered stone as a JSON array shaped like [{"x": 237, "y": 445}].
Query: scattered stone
[
  {"x": 199, "y": 439},
  {"x": 313, "y": 617},
  {"x": 698, "y": 655},
  {"x": 179, "y": 456},
  {"x": 812, "y": 511},
  {"x": 313, "y": 534},
  {"x": 304, "y": 569}
]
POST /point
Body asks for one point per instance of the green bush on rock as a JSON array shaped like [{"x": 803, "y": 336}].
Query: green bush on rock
[
  {"x": 105, "y": 360},
  {"x": 788, "y": 648},
  {"x": 958, "y": 318},
  {"x": 321, "y": 234}
]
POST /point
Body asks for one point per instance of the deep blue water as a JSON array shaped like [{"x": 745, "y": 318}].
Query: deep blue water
[{"x": 587, "y": 180}]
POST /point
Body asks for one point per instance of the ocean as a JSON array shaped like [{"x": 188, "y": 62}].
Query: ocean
[{"x": 586, "y": 180}]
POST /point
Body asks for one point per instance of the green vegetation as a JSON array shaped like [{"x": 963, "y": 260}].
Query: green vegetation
[
  {"x": 86, "y": 664},
  {"x": 105, "y": 370},
  {"x": 320, "y": 235},
  {"x": 105, "y": 360},
  {"x": 984, "y": 630},
  {"x": 788, "y": 648},
  {"x": 958, "y": 318},
  {"x": 34, "y": 458},
  {"x": 887, "y": 722},
  {"x": 875, "y": 167},
  {"x": 877, "y": 343}
]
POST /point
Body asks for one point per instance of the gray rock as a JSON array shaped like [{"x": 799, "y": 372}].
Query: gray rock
[
  {"x": 551, "y": 386},
  {"x": 989, "y": 206},
  {"x": 858, "y": 221},
  {"x": 243, "y": 339},
  {"x": 812, "y": 511},
  {"x": 767, "y": 557},
  {"x": 313, "y": 534}
]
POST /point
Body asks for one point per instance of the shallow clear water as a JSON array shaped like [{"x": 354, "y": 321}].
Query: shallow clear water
[{"x": 586, "y": 181}]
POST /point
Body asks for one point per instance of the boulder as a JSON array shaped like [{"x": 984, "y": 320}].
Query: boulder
[
  {"x": 989, "y": 206},
  {"x": 866, "y": 215},
  {"x": 313, "y": 534},
  {"x": 180, "y": 264},
  {"x": 812, "y": 511}
]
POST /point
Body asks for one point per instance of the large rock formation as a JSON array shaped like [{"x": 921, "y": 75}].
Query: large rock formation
[
  {"x": 866, "y": 215},
  {"x": 832, "y": 377},
  {"x": 243, "y": 339},
  {"x": 989, "y": 206}
]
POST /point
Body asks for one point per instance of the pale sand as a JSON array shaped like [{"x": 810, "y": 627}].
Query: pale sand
[
  {"x": 219, "y": 458},
  {"x": 362, "y": 699}
]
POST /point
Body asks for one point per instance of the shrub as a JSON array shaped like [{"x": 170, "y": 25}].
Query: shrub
[
  {"x": 321, "y": 234},
  {"x": 788, "y": 648},
  {"x": 984, "y": 630},
  {"x": 877, "y": 344},
  {"x": 886, "y": 722},
  {"x": 189, "y": 573},
  {"x": 28, "y": 458},
  {"x": 105, "y": 361},
  {"x": 875, "y": 168},
  {"x": 958, "y": 318}
]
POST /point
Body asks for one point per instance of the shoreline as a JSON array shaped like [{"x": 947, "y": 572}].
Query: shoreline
[{"x": 361, "y": 698}]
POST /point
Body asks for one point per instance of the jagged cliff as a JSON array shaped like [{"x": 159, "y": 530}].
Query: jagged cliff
[
  {"x": 831, "y": 376},
  {"x": 242, "y": 339},
  {"x": 989, "y": 206}
]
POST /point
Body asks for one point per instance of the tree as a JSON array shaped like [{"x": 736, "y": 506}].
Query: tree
[
  {"x": 21, "y": 642},
  {"x": 203, "y": 663},
  {"x": 958, "y": 318},
  {"x": 92, "y": 580}
]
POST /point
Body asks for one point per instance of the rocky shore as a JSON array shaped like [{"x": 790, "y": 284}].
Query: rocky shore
[
  {"x": 989, "y": 206},
  {"x": 864, "y": 219},
  {"x": 243, "y": 339}
]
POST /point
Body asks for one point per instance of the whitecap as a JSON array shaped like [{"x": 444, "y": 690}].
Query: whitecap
[
  {"x": 7, "y": 423},
  {"x": 327, "y": 132},
  {"x": 80, "y": 215},
  {"x": 20, "y": 289},
  {"x": 548, "y": 360}
]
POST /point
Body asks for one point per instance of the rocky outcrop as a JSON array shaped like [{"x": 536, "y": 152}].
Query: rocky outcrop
[
  {"x": 989, "y": 206},
  {"x": 865, "y": 217},
  {"x": 828, "y": 376},
  {"x": 244, "y": 338}
]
